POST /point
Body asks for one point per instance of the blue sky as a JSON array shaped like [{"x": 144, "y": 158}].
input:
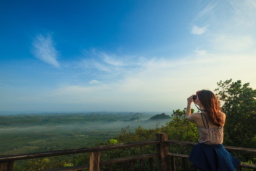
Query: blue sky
[{"x": 121, "y": 55}]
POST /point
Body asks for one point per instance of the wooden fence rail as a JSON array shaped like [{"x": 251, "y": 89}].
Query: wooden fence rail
[{"x": 166, "y": 160}]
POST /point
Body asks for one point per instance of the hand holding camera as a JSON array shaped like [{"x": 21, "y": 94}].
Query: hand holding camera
[{"x": 190, "y": 100}]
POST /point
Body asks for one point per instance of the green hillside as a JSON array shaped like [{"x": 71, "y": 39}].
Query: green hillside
[{"x": 160, "y": 117}]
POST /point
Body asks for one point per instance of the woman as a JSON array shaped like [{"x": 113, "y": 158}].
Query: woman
[{"x": 209, "y": 154}]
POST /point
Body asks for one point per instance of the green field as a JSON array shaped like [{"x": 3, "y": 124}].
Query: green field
[{"x": 45, "y": 132}]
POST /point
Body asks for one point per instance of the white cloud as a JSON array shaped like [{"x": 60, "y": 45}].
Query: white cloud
[
  {"x": 201, "y": 52},
  {"x": 111, "y": 60},
  {"x": 45, "y": 50},
  {"x": 232, "y": 43},
  {"x": 239, "y": 16},
  {"x": 199, "y": 30},
  {"x": 108, "y": 63},
  {"x": 101, "y": 67},
  {"x": 206, "y": 11},
  {"x": 94, "y": 82},
  {"x": 93, "y": 64},
  {"x": 232, "y": 26},
  {"x": 160, "y": 84}
]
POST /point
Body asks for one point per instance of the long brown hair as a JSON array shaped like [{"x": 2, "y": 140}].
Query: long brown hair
[{"x": 212, "y": 106}]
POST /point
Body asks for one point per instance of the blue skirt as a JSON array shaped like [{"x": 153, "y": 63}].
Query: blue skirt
[{"x": 213, "y": 158}]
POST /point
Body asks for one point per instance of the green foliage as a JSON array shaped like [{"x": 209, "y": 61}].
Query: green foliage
[
  {"x": 32, "y": 164},
  {"x": 68, "y": 164},
  {"x": 239, "y": 105},
  {"x": 113, "y": 141},
  {"x": 179, "y": 128},
  {"x": 51, "y": 162}
]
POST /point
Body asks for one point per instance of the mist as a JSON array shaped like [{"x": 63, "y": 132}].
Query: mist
[
  {"x": 101, "y": 125},
  {"x": 29, "y": 133}
]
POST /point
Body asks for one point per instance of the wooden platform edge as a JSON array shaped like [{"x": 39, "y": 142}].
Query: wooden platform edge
[
  {"x": 250, "y": 166},
  {"x": 178, "y": 155}
]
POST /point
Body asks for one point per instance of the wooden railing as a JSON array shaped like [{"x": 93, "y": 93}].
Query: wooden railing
[{"x": 166, "y": 160}]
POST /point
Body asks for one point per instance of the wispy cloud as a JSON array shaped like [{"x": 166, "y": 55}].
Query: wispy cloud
[
  {"x": 157, "y": 81},
  {"x": 94, "y": 82},
  {"x": 111, "y": 60},
  {"x": 232, "y": 26},
  {"x": 206, "y": 11},
  {"x": 158, "y": 84},
  {"x": 232, "y": 43},
  {"x": 198, "y": 30},
  {"x": 244, "y": 13},
  {"x": 44, "y": 50},
  {"x": 109, "y": 63},
  {"x": 101, "y": 67},
  {"x": 201, "y": 52}
]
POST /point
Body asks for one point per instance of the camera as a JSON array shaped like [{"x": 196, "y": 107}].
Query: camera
[{"x": 194, "y": 97}]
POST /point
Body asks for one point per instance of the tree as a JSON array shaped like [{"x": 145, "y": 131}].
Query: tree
[
  {"x": 179, "y": 128},
  {"x": 239, "y": 105}
]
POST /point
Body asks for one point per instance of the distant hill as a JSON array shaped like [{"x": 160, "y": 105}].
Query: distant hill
[{"x": 160, "y": 116}]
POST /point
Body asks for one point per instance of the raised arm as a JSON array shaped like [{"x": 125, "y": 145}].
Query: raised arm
[{"x": 194, "y": 116}]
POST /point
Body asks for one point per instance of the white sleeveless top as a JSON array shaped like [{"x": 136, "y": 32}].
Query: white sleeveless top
[{"x": 207, "y": 135}]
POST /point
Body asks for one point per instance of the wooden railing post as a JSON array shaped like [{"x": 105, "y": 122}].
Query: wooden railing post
[
  {"x": 6, "y": 166},
  {"x": 94, "y": 164},
  {"x": 162, "y": 150}
]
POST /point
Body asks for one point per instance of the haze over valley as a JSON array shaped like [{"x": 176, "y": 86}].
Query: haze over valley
[{"x": 26, "y": 133}]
